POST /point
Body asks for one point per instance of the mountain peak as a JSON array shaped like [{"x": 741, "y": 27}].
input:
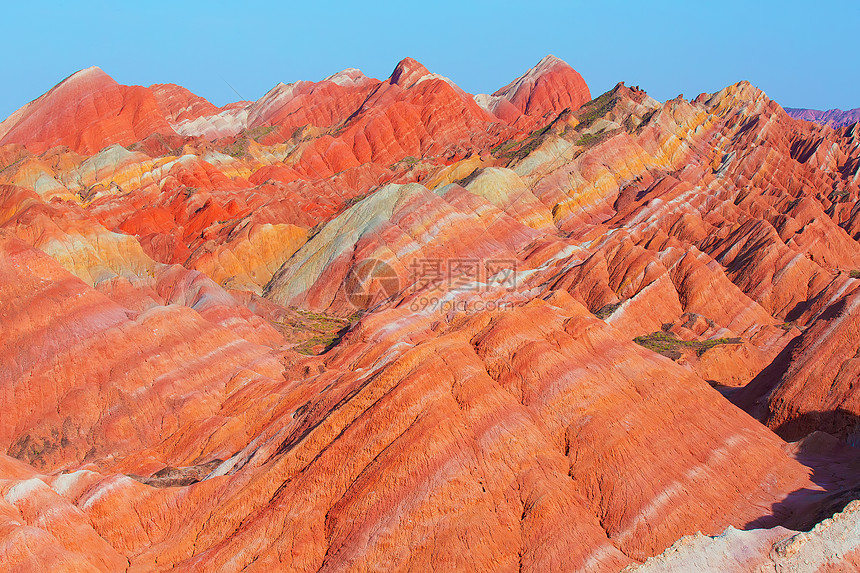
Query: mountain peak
[
  {"x": 547, "y": 85},
  {"x": 92, "y": 77},
  {"x": 546, "y": 65},
  {"x": 548, "y": 62},
  {"x": 86, "y": 111},
  {"x": 90, "y": 71},
  {"x": 347, "y": 77},
  {"x": 408, "y": 72}
]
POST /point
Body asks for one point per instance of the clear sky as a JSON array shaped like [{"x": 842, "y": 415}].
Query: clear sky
[{"x": 803, "y": 54}]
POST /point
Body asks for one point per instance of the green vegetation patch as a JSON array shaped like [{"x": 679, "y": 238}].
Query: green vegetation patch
[
  {"x": 259, "y": 132},
  {"x": 606, "y": 310},
  {"x": 595, "y": 109},
  {"x": 517, "y": 150},
  {"x": 408, "y": 161},
  {"x": 308, "y": 346},
  {"x": 312, "y": 332},
  {"x": 670, "y": 346},
  {"x": 504, "y": 147},
  {"x": 237, "y": 149},
  {"x": 589, "y": 139}
]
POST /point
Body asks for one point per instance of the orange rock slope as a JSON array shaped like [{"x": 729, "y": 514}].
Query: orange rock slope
[{"x": 388, "y": 325}]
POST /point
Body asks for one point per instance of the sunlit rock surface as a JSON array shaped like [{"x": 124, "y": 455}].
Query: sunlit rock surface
[{"x": 364, "y": 324}]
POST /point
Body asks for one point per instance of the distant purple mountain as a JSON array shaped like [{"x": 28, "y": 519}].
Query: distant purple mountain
[{"x": 831, "y": 117}]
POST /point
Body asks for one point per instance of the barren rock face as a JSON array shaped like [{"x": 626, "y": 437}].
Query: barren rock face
[
  {"x": 830, "y": 546},
  {"x": 811, "y": 386},
  {"x": 389, "y": 325}
]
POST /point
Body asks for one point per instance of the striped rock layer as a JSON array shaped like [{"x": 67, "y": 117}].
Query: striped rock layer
[{"x": 389, "y": 325}]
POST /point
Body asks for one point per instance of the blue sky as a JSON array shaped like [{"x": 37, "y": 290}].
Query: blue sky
[{"x": 802, "y": 54}]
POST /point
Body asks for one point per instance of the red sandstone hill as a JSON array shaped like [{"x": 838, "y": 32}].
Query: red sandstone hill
[
  {"x": 550, "y": 86},
  {"x": 87, "y": 111},
  {"x": 361, "y": 324}
]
